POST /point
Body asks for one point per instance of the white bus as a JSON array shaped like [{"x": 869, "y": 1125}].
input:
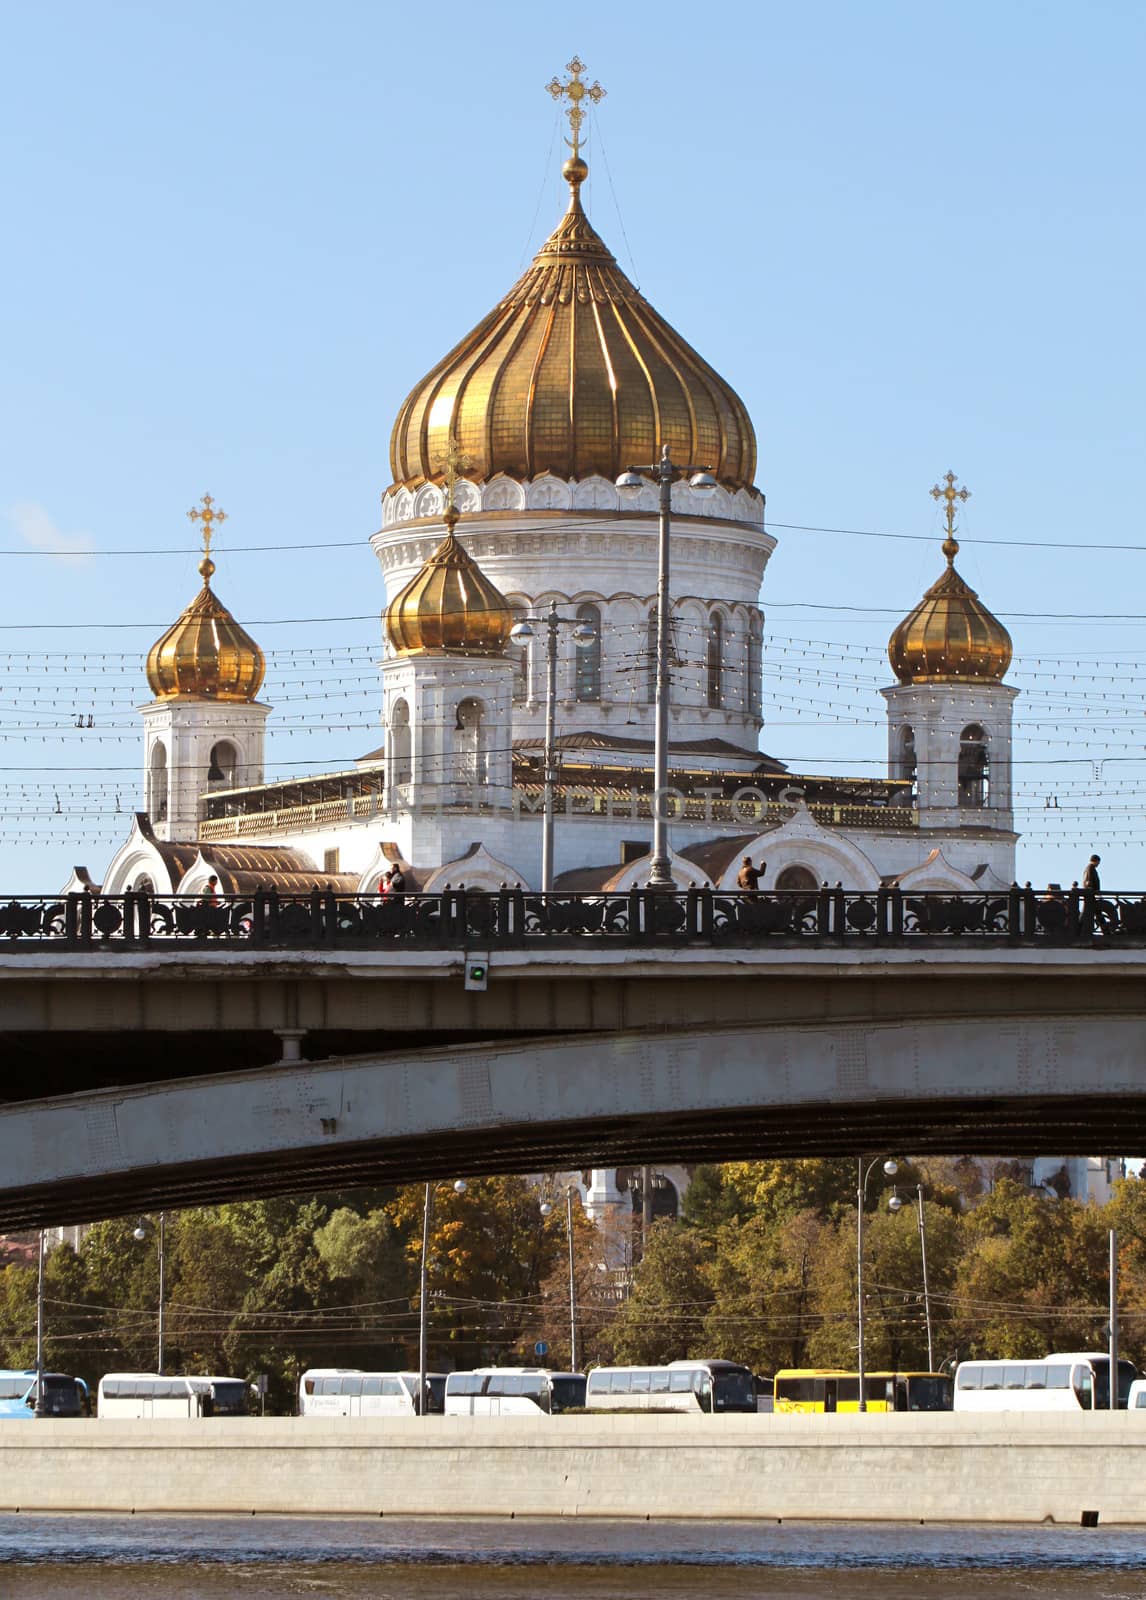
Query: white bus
[
  {"x": 513, "y": 1392},
  {"x": 146, "y": 1394},
  {"x": 709, "y": 1386},
  {"x": 350, "y": 1392},
  {"x": 1075, "y": 1380}
]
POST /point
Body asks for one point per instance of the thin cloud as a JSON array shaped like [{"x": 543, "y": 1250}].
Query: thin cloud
[{"x": 33, "y": 524}]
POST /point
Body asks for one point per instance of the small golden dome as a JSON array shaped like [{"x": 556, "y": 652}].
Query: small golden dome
[
  {"x": 573, "y": 373},
  {"x": 950, "y": 636},
  {"x": 449, "y": 606},
  {"x": 205, "y": 655}
]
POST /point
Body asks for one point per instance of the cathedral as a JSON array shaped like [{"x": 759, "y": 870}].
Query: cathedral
[{"x": 518, "y": 550}]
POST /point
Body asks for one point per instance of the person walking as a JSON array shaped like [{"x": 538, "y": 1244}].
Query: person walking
[
  {"x": 397, "y": 884},
  {"x": 1092, "y": 884}
]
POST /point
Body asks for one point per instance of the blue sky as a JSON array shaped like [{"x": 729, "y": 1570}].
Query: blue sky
[{"x": 910, "y": 236}]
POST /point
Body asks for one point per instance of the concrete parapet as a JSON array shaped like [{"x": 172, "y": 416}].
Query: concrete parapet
[{"x": 1009, "y": 1468}]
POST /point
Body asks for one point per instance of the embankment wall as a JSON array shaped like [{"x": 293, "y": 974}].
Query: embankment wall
[{"x": 1010, "y": 1468}]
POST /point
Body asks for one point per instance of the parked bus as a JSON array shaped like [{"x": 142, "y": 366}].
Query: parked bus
[
  {"x": 62, "y": 1396},
  {"x": 230, "y": 1397},
  {"x": 350, "y": 1392},
  {"x": 513, "y": 1392},
  {"x": 708, "y": 1386},
  {"x": 829, "y": 1389},
  {"x": 1076, "y": 1380},
  {"x": 148, "y": 1394}
]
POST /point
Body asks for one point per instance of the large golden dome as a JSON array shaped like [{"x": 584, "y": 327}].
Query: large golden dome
[
  {"x": 449, "y": 606},
  {"x": 950, "y": 636},
  {"x": 205, "y": 654},
  {"x": 573, "y": 373}
]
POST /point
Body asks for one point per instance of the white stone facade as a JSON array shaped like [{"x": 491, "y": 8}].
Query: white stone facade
[
  {"x": 192, "y": 746},
  {"x": 593, "y": 549}
]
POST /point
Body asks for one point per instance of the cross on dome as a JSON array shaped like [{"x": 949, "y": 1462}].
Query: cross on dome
[
  {"x": 575, "y": 91},
  {"x": 950, "y": 493},
  {"x": 453, "y": 464},
  {"x": 207, "y": 514}
]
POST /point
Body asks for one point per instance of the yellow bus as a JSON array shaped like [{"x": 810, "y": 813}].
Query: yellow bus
[{"x": 832, "y": 1389}]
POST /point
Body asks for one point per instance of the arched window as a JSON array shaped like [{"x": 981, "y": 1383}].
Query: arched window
[
  {"x": 587, "y": 676},
  {"x": 755, "y": 694},
  {"x": 468, "y": 752},
  {"x": 143, "y": 884},
  {"x": 716, "y": 659},
  {"x": 157, "y": 783},
  {"x": 400, "y": 742},
  {"x": 907, "y": 767},
  {"x": 222, "y": 772},
  {"x": 801, "y": 879},
  {"x": 974, "y": 768}
]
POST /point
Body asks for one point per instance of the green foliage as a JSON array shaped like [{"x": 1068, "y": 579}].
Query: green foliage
[
  {"x": 662, "y": 1317},
  {"x": 761, "y": 1268}
]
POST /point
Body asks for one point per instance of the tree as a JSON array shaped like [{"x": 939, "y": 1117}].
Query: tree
[
  {"x": 490, "y": 1250},
  {"x": 762, "y": 1277},
  {"x": 1032, "y": 1277},
  {"x": 777, "y": 1190},
  {"x": 895, "y": 1331},
  {"x": 663, "y": 1318}
]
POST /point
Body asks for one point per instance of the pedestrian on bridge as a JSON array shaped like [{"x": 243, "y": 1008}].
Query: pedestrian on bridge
[
  {"x": 748, "y": 878},
  {"x": 1091, "y": 883}
]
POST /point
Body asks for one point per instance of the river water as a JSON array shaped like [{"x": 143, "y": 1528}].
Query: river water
[{"x": 272, "y": 1558}]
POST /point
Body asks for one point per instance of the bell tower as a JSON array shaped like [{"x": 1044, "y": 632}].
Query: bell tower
[
  {"x": 950, "y": 714},
  {"x": 204, "y": 730}
]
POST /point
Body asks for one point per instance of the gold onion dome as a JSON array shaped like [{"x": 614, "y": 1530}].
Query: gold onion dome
[
  {"x": 950, "y": 636},
  {"x": 450, "y": 606},
  {"x": 573, "y": 373},
  {"x": 206, "y": 654}
]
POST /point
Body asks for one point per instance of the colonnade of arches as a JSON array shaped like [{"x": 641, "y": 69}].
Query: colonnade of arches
[
  {"x": 715, "y": 653},
  {"x": 974, "y": 768},
  {"x": 224, "y": 770}
]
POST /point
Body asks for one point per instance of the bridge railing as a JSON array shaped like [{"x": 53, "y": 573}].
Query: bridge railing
[{"x": 520, "y": 919}]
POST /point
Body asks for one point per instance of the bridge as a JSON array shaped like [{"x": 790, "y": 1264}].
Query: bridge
[{"x": 174, "y": 1052}]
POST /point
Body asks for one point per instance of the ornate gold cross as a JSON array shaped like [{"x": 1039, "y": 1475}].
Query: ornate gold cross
[
  {"x": 453, "y": 465},
  {"x": 208, "y": 516},
  {"x": 575, "y": 91},
  {"x": 950, "y": 494}
]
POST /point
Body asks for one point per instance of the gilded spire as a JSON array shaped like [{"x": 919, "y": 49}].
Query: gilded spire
[
  {"x": 950, "y": 636},
  {"x": 206, "y": 654},
  {"x": 452, "y": 464},
  {"x": 950, "y": 493},
  {"x": 575, "y": 91},
  {"x": 573, "y": 373},
  {"x": 207, "y": 514}
]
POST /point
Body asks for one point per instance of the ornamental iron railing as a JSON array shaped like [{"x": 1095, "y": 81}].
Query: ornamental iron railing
[{"x": 520, "y": 919}]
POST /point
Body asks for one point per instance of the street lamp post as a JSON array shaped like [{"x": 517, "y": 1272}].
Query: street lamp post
[
  {"x": 140, "y": 1233},
  {"x": 546, "y": 1209},
  {"x": 427, "y": 1219},
  {"x": 39, "y": 1405},
  {"x": 894, "y": 1204},
  {"x": 664, "y": 473},
  {"x": 583, "y": 634},
  {"x": 890, "y": 1168}
]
